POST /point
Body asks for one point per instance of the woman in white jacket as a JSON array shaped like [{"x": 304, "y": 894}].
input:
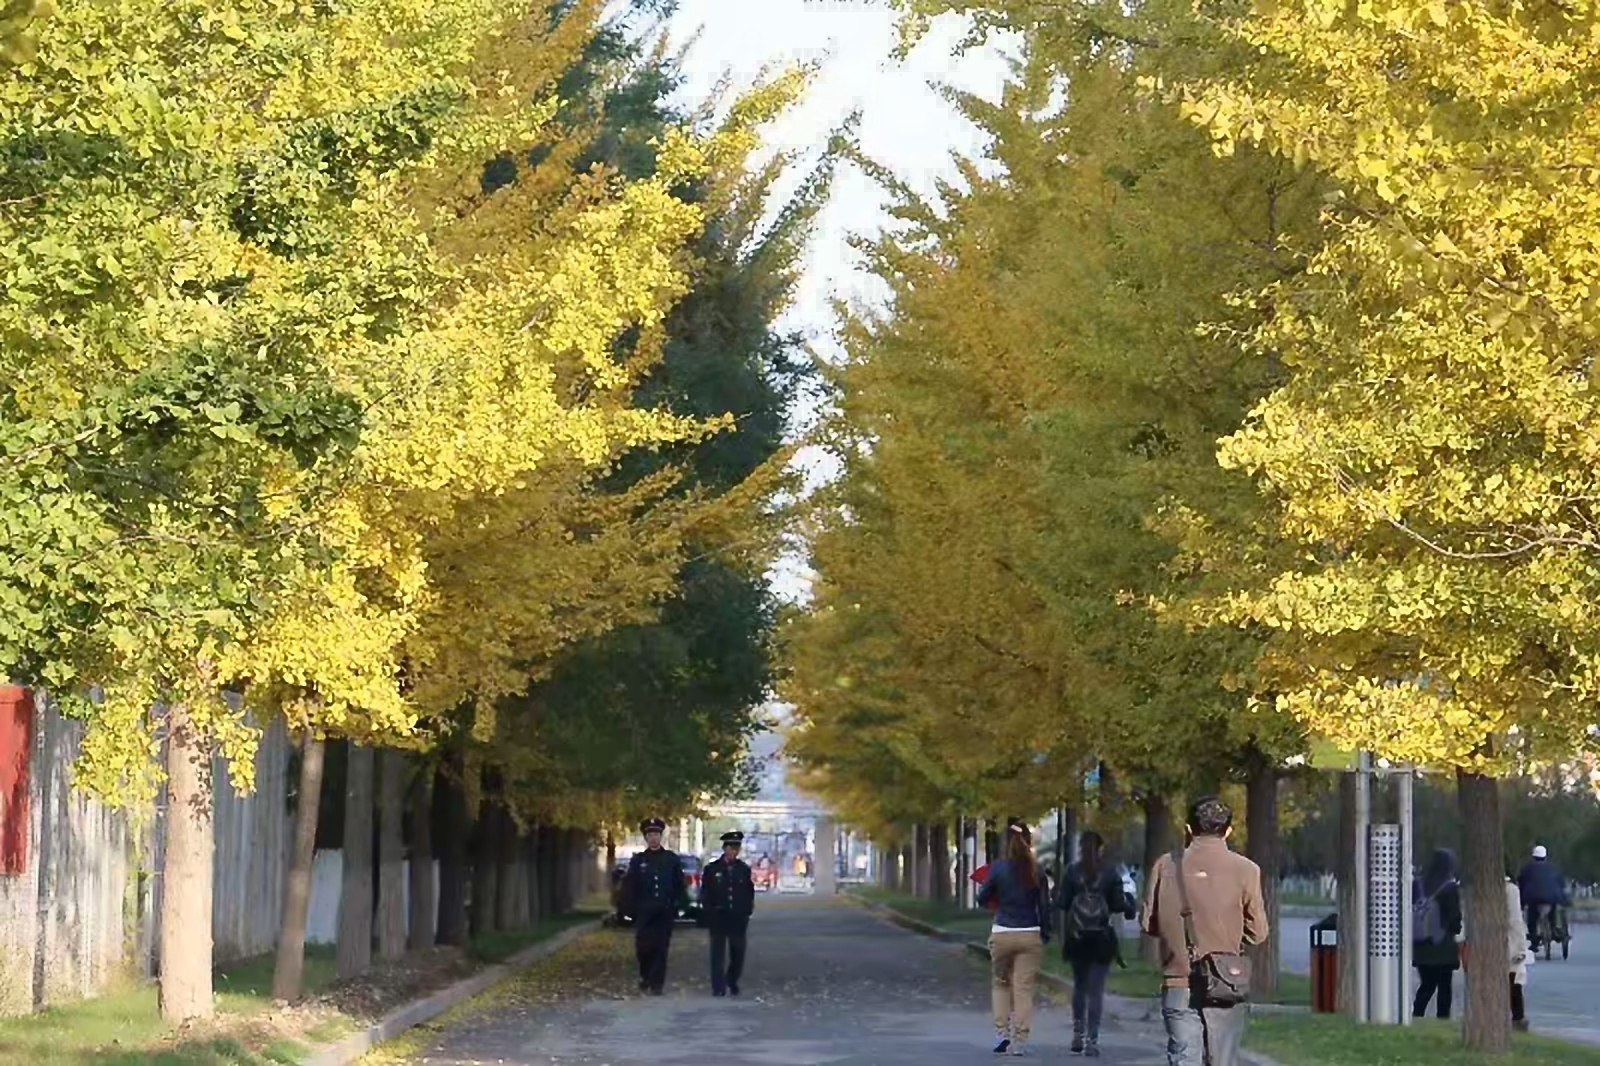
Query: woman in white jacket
[{"x": 1521, "y": 958}]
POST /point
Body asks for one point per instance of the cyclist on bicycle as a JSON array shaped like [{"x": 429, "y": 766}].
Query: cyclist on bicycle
[{"x": 1542, "y": 887}]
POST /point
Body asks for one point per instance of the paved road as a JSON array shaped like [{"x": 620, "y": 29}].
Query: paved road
[
  {"x": 1561, "y": 993},
  {"x": 828, "y": 983}
]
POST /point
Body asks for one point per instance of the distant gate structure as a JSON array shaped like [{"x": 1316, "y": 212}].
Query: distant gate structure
[{"x": 767, "y": 810}]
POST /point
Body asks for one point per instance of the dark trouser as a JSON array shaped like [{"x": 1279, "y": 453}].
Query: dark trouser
[
  {"x": 652, "y": 937},
  {"x": 1201, "y": 1037},
  {"x": 1440, "y": 979},
  {"x": 1519, "y": 1008},
  {"x": 1088, "y": 996},
  {"x": 727, "y": 946}
]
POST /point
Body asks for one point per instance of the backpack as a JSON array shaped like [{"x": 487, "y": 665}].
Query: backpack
[
  {"x": 1427, "y": 919},
  {"x": 1089, "y": 916}
]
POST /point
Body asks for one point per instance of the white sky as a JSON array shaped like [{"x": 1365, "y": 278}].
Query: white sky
[{"x": 905, "y": 125}]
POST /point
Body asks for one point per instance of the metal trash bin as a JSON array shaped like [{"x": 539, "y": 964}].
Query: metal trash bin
[{"x": 1325, "y": 965}]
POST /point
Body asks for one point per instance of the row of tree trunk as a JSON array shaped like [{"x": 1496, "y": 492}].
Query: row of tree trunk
[
  {"x": 513, "y": 878},
  {"x": 517, "y": 875},
  {"x": 923, "y": 864}
]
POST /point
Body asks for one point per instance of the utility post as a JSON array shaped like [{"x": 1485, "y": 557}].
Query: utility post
[{"x": 1383, "y": 861}]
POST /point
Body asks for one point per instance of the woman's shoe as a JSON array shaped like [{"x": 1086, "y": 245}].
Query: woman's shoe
[{"x": 1004, "y": 1045}]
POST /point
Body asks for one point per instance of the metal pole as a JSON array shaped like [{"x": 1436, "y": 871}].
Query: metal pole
[
  {"x": 1359, "y": 953},
  {"x": 1406, "y": 783}
]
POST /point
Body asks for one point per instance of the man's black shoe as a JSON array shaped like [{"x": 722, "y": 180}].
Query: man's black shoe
[{"x": 733, "y": 990}]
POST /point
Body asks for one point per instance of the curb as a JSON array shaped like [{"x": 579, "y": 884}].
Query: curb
[{"x": 397, "y": 1021}]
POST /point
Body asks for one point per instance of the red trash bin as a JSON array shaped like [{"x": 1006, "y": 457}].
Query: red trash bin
[{"x": 1325, "y": 966}]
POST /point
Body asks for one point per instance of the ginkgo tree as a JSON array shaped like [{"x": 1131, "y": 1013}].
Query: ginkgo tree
[
  {"x": 272, "y": 336},
  {"x": 1431, "y": 451}
]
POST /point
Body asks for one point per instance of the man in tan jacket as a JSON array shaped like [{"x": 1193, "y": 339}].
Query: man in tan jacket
[{"x": 1224, "y": 891}]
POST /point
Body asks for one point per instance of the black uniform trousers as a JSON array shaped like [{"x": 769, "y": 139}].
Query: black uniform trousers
[
  {"x": 727, "y": 949},
  {"x": 652, "y": 938}
]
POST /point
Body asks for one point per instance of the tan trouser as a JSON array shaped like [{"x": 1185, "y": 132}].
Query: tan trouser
[{"x": 1015, "y": 959}]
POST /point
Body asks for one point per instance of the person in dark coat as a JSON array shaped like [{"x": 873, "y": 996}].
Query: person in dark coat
[
  {"x": 1091, "y": 894},
  {"x": 1435, "y": 951},
  {"x": 654, "y": 890},
  {"x": 1542, "y": 887},
  {"x": 728, "y": 898}
]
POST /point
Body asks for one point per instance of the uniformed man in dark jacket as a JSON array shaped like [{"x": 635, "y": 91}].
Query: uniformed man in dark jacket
[
  {"x": 727, "y": 897},
  {"x": 653, "y": 892}
]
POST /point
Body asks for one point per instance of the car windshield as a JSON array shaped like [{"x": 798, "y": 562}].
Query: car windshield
[{"x": 690, "y": 865}]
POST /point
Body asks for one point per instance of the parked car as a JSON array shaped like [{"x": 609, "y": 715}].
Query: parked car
[{"x": 690, "y": 911}]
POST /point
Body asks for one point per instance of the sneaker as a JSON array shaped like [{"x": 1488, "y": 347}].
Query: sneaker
[
  {"x": 1077, "y": 1043},
  {"x": 1018, "y": 1049},
  {"x": 1004, "y": 1045},
  {"x": 1091, "y": 1050}
]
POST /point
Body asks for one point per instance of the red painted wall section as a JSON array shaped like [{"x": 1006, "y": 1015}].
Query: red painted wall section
[{"x": 16, "y": 749}]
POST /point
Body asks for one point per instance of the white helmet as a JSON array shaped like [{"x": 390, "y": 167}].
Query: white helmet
[{"x": 1539, "y": 852}]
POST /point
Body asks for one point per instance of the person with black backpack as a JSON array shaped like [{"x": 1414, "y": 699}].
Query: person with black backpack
[
  {"x": 1435, "y": 925},
  {"x": 1092, "y": 896}
]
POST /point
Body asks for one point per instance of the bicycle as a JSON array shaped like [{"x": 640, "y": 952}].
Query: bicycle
[{"x": 1550, "y": 928}]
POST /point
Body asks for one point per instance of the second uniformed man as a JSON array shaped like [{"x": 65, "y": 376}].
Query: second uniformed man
[
  {"x": 654, "y": 891},
  {"x": 728, "y": 897}
]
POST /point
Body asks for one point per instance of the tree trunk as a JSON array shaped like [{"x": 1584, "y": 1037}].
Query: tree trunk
[
  {"x": 288, "y": 972},
  {"x": 424, "y": 899},
  {"x": 484, "y": 882},
  {"x": 530, "y": 874},
  {"x": 611, "y": 850},
  {"x": 907, "y": 880},
  {"x": 505, "y": 871},
  {"x": 354, "y": 954},
  {"x": 549, "y": 863},
  {"x": 1487, "y": 1020},
  {"x": 453, "y": 863},
  {"x": 1157, "y": 842},
  {"x": 392, "y": 857},
  {"x": 1263, "y": 848},
  {"x": 186, "y": 864},
  {"x": 570, "y": 872},
  {"x": 1349, "y": 898},
  {"x": 542, "y": 903},
  {"x": 919, "y": 861},
  {"x": 939, "y": 849}
]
